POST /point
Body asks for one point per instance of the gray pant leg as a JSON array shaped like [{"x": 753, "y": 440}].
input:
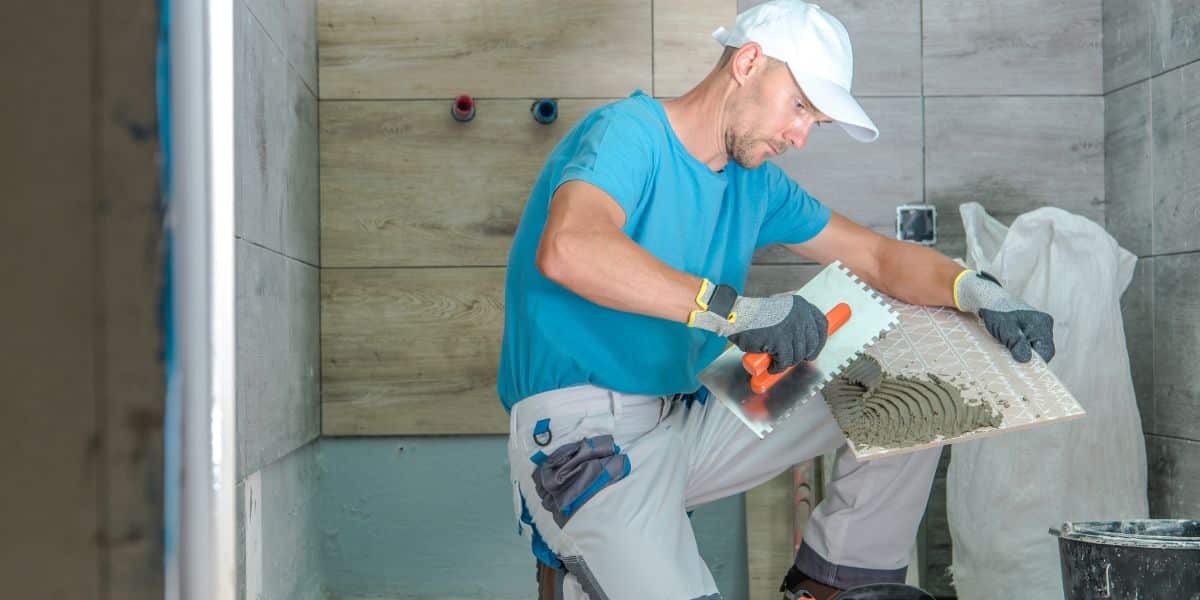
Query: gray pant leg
[
  {"x": 861, "y": 532},
  {"x": 864, "y": 528}
]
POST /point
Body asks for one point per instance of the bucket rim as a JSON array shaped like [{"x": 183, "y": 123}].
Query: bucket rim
[{"x": 1099, "y": 532}]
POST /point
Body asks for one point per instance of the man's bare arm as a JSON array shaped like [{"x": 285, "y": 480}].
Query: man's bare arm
[
  {"x": 919, "y": 275},
  {"x": 584, "y": 250},
  {"x": 906, "y": 271}
]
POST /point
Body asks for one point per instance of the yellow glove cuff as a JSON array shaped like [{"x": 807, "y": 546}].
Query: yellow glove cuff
[
  {"x": 956, "y": 281},
  {"x": 700, "y": 296}
]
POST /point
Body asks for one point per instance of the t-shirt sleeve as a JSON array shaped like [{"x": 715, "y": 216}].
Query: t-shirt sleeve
[
  {"x": 613, "y": 152},
  {"x": 792, "y": 216}
]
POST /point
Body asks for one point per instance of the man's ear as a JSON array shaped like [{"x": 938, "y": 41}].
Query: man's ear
[{"x": 747, "y": 60}]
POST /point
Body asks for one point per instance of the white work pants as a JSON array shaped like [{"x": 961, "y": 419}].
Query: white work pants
[{"x": 616, "y": 514}]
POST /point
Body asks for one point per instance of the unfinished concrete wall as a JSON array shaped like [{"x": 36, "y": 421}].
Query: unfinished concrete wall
[
  {"x": 431, "y": 517},
  {"x": 278, "y": 394},
  {"x": 1152, "y": 108}
]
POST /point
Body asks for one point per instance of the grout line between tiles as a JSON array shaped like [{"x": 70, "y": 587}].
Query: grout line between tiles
[{"x": 274, "y": 251}]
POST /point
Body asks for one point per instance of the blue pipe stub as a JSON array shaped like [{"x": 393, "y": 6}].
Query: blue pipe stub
[{"x": 545, "y": 110}]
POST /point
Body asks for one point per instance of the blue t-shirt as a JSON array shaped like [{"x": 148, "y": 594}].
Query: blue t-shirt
[{"x": 694, "y": 219}]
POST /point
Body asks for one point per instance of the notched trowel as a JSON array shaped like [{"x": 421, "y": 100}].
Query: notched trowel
[{"x": 857, "y": 319}]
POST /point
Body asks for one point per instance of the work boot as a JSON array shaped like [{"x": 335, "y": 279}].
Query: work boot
[{"x": 796, "y": 586}]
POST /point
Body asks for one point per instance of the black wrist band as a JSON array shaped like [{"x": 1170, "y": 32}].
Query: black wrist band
[{"x": 721, "y": 302}]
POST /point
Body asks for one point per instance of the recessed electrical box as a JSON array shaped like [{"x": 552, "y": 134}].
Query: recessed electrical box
[{"x": 917, "y": 223}]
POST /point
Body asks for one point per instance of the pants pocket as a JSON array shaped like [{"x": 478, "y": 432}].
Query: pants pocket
[{"x": 577, "y": 471}]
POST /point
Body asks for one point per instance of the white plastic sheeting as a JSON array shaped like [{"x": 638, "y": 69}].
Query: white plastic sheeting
[{"x": 1004, "y": 493}]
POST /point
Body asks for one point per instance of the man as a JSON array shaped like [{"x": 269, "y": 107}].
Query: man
[{"x": 624, "y": 281}]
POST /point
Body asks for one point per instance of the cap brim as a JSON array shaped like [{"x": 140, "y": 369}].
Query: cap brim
[
  {"x": 833, "y": 100},
  {"x": 725, "y": 37}
]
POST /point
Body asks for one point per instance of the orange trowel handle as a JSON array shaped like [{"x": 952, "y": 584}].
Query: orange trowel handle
[{"x": 756, "y": 364}]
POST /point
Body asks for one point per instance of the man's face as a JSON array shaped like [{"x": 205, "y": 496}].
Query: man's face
[{"x": 769, "y": 115}]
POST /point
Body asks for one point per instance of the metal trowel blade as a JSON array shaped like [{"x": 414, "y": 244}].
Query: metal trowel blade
[{"x": 870, "y": 318}]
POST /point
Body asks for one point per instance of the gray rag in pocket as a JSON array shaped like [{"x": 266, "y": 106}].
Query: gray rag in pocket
[{"x": 575, "y": 472}]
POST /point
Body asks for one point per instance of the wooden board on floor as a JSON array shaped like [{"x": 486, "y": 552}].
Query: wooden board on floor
[
  {"x": 684, "y": 49},
  {"x": 381, "y": 49},
  {"x": 52, "y": 427},
  {"x": 770, "y": 526},
  {"x": 411, "y": 351},
  {"x": 404, "y": 184}
]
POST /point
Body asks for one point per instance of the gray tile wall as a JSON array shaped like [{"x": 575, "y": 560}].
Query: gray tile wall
[
  {"x": 278, "y": 344},
  {"x": 983, "y": 104},
  {"x": 1012, "y": 154},
  {"x": 978, "y": 102},
  {"x": 975, "y": 102},
  {"x": 278, "y": 530},
  {"x": 1152, "y": 144},
  {"x": 277, "y": 230}
]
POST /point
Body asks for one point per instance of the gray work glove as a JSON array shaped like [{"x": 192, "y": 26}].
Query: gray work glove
[
  {"x": 787, "y": 327},
  {"x": 1020, "y": 327}
]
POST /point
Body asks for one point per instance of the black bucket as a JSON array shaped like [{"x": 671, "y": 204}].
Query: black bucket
[{"x": 1148, "y": 559}]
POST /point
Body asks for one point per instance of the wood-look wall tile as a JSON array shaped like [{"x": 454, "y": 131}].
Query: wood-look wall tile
[
  {"x": 1176, "y": 345},
  {"x": 411, "y": 351},
  {"x": 276, "y": 147},
  {"x": 278, "y": 389},
  {"x": 1012, "y": 154},
  {"x": 1175, "y": 33},
  {"x": 1018, "y": 47},
  {"x": 1127, "y": 183},
  {"x": 1173, "y": 467},
  {"x": 1137, "y": 311},
  {"x": 865, "y": 182},
  {"x": 1126, "y": 42},
  {"x": 404, "y": 184},
  {"x": 381, "y": 49},
  {"x": 684, "y": 49},
  {"x": 1175, "y": 111}
]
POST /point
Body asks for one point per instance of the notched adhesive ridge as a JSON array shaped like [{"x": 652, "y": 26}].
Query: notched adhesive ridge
[{"x": 874, "y": 408}]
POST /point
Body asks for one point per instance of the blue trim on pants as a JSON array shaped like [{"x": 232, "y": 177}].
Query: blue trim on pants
[
  {"x": 840, "y": 576},
  {"x": 541, "y": 550}
]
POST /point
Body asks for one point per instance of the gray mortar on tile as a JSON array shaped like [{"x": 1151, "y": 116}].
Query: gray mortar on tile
[{"x": 875, "y": 408}]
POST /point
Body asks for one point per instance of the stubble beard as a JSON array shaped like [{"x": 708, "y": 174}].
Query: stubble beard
[{"x": 742, "y": 150}]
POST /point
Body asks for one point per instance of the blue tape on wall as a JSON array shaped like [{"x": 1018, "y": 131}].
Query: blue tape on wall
[{"x": 172, "y": 428}]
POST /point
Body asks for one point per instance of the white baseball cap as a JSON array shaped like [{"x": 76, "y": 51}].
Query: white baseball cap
[{"x": 817, "y": 51}]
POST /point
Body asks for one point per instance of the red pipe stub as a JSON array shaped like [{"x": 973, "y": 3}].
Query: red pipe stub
[{"x": 463, "y": 108}]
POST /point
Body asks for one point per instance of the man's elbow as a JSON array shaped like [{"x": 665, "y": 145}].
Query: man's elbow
[{"x": 551, "y": 259}]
